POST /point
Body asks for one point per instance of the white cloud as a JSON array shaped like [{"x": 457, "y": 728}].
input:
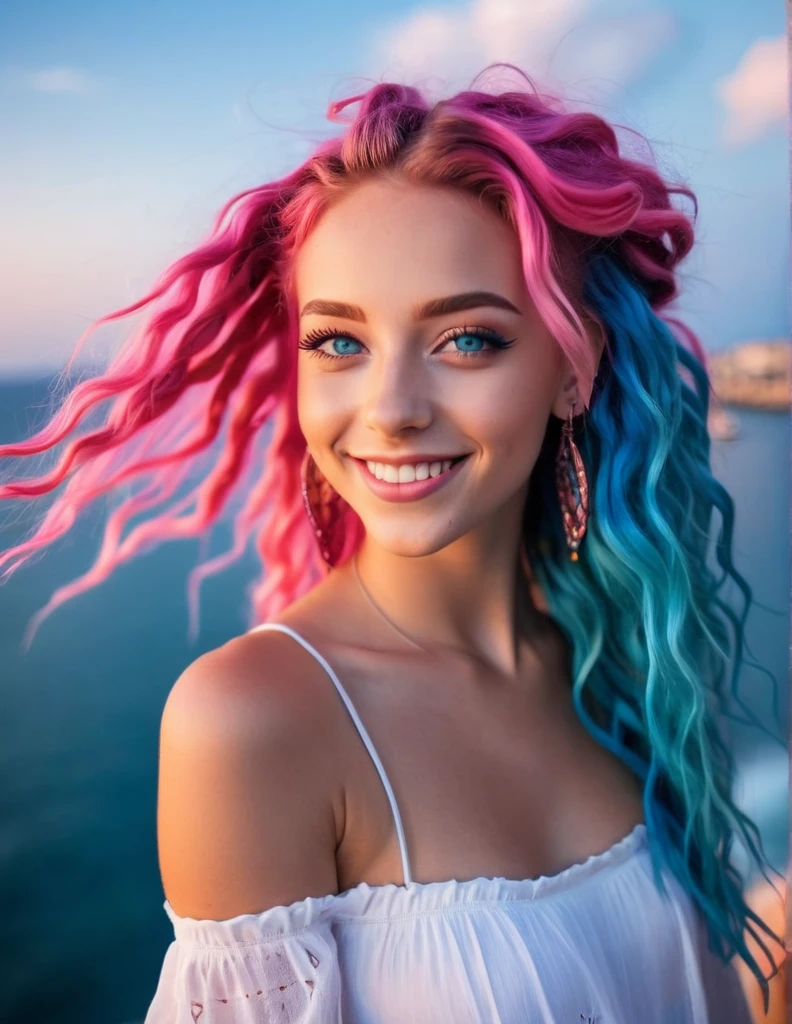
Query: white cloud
[
  {"x": 756, "y": 94},
  {"x": 59, "y": 80},
  {"x": 555, "y": 41}
]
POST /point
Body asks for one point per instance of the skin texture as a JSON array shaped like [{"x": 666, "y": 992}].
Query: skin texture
[{"x": 267, "y": 794}]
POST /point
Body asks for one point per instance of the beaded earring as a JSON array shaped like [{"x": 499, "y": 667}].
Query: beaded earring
[
  {"x": 572, "y": 486},
  {"x": 323, "y": 506}
]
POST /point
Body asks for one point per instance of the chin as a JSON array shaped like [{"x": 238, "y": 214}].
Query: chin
[{"x": 412, "y": 543}]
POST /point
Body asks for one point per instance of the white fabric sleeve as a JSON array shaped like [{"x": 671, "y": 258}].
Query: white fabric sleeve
[{"x": 219, "y": 976}]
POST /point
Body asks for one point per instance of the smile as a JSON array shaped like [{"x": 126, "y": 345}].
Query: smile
[
  {"x": 409, "y": 481},
  {"x": 407, "y": 472}
]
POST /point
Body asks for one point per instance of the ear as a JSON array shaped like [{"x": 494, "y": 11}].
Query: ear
[{"x": 569, "y": 390}]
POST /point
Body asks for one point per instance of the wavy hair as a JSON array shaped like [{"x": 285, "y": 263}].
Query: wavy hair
[{"x": 651, "y": 638}]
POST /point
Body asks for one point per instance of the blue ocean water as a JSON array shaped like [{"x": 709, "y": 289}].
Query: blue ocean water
[{"x": 84, "y": 930}]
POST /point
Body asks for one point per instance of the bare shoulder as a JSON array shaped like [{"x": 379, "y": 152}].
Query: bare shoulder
[{"x": 247, "y": 801}]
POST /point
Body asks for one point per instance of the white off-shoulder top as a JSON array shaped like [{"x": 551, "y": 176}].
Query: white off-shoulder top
[{"x": 596, "y": 943}]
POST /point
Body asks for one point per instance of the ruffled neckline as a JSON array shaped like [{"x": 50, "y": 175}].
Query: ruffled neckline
[{"x": 368, "y": 903}]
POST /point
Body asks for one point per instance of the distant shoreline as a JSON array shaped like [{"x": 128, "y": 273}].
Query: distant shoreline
[
  {"x": 755, "y": 374},
  {"x": 753, "y": 398}
]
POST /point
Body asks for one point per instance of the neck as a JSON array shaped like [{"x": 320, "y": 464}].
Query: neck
[{"x": 471, "y": 597}]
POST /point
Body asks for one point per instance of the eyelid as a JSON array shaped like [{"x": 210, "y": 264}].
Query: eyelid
[{"x": 321, "y": 334}]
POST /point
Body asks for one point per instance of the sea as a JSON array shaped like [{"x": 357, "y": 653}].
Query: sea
[{"x": 84, "y": 930}]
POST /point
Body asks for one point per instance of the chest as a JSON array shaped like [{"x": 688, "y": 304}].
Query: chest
[{"x": 490, "y": 779}]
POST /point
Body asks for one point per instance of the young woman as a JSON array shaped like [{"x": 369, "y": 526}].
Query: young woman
[{"x": 467, "y": 768}]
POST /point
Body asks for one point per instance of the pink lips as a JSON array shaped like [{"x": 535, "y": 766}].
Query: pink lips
[{"x": 412, "y": 491}]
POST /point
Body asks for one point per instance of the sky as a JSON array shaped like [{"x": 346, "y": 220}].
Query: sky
[{"x": 125, "y": 127}]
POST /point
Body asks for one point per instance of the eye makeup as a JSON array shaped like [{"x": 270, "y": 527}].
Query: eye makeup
[{"x": 314, "y": 339}]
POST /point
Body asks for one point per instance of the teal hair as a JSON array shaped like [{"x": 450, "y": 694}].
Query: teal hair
[{"x": 651, "y": 637}]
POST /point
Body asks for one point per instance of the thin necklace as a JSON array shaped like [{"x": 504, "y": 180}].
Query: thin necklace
[{"x": 380, "y": 612}]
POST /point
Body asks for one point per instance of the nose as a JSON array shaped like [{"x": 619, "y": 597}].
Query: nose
[{"x": 397, "y": 397}]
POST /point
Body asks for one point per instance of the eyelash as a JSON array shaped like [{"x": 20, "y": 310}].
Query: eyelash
[{"x": 315, "y": 338}]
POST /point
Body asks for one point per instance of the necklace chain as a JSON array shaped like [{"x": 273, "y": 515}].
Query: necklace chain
[
  {"x": 387, "y": 619},
  {"x": 379, "y": 611}
]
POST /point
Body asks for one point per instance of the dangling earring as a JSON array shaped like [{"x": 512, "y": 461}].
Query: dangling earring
[
  {"x": 323, "y": 506},
  {"x": 572, "y": 485}
]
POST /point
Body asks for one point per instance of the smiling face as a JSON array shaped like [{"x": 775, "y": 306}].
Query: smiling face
[{"x": 394, "y": 380}]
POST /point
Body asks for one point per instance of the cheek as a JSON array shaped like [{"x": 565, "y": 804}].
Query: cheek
[
  {"x": 506, "y": 413},
  {"x": 320, "y": 409}
]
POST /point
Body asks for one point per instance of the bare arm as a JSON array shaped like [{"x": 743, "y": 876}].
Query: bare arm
[{"x": 245, "y": 816}]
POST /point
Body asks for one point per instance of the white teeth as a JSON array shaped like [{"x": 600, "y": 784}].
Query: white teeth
[{"x": 407, "y": 473}]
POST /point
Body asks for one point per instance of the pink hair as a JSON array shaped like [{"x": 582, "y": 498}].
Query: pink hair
[{"x": 220, "y": 343}]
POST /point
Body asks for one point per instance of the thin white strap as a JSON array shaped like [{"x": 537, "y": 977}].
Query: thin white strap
[{"x": 363, "y": 735}]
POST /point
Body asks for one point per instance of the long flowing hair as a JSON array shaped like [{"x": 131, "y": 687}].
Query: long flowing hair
[{"x": 650, "y": 633}]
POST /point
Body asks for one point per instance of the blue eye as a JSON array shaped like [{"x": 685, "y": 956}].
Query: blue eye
[
  {"x": 466, "y": 338},
  {"x": 467, "y": 341},
  {"x": 477, "y": 341},
  {"x": 316, "y": 338},
  {"x": 343, "y": 341}
]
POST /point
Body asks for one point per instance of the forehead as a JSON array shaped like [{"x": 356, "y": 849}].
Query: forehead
[{"x": 384, "y": 243}]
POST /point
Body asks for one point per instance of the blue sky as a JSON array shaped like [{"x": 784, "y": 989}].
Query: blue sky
[{"x": 125, "y": 127}]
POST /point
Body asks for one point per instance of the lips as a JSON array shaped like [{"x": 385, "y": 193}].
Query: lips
[{"x": 414, "y": 490}]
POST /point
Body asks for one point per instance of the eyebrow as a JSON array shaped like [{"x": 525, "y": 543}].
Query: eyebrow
[{"x": 435, "y": 307}]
